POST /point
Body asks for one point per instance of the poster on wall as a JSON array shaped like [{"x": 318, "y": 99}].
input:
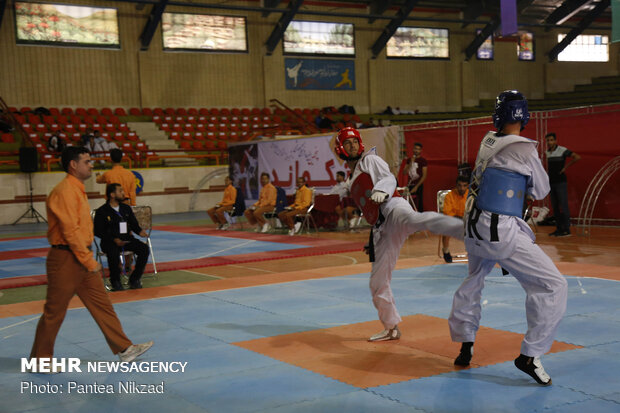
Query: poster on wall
[
  {"x": 66, "y": 25},
  {"x": 319, "y": 74}
]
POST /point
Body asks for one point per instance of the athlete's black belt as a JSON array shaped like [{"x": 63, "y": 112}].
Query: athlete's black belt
[{"x": 371, "y": 243}]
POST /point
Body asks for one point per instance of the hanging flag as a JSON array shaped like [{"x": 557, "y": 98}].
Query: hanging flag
[
  {"x": 615, "y": 21},
  {"x": 509, "y": 17}
]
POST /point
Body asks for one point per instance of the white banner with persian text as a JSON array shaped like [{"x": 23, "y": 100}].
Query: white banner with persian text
[{"x": 313, "y": 158}]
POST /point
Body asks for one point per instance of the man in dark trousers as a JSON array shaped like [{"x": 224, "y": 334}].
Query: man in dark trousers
[{"x": 114, "y": 224}]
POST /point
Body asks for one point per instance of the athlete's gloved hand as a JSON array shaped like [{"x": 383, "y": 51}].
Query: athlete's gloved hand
[{"x": 378, "y": 196}]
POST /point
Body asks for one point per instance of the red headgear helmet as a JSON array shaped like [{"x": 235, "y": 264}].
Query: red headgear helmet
[{"x": 343, "y": 135}]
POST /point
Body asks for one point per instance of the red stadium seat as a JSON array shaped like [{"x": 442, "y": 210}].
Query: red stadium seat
[
  {"x": 147, "y": 112},
  {"x": 175, "y": 135},
  {"x": 210, "y": 145},
  {"x": 119, "y": 136},
  {"x": 214, "y": 111},
  {"x": 255, "y": 111},
  {"x": 199, "y": 136},
  {"x": 40, "y": 127},
  {"x": 62, "y": 119},
  {"x": 189, "y": 127},
  {"x": 132, "y": 136},
  {"x": 8, "y": 138},
  {"x": 222, "y": 145},
  {"x": 197, "y": 145},
  {"x": 169, "y": 111},
  {"x": 186, "y": 145},
  {"x": 225, "y": 112},
  {"x": 25, "y": 109},
  {"x": 122, "y": 127},
  {"x": 92, "y": 112},
  {"x": 133, "y": 112},
  {"x": 120, "y": 112},
  {"x": 181, "y": 112},
  {"x": 54, "y": 127},
  {"x": 70, "y": 128},
  {"x": 48, "y": 120},
  {"x": 141, "y": 146},
  {"x": 54, "y": 111},
  {"x": 204, "y": 112},
  {"x": 235, "y": 112},
  {"x": 114, "y": 119},
  {"x": 187, "y": 136},
  {"x": 192, "y": 112},
  {"x": 107, "y": 112},
  {"x": 75, "y": 136},
  {"x": 165, "y": 127},
  {"x": 66, "y": 111},
  {"x": 245, "y": 112},
  {"x": 158, "y": 111}
]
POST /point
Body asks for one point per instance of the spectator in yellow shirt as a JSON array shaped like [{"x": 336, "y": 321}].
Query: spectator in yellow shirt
[
  {"x": 454, "y": 205},
  {"x": 266, "y": 203},
  {"x": 119, "y": 175},
  {"x": 303, "y": 200},
  {"x": 226, "y": 205}
]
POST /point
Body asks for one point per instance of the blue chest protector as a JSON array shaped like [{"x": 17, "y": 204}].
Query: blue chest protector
[{"x": 502, "y": 192}]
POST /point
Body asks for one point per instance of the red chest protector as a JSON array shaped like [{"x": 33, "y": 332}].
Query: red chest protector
[{"x": 361, "y": 189}]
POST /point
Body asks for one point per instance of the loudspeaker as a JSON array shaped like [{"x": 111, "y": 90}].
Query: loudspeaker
[{"x": 28, "y": 159}]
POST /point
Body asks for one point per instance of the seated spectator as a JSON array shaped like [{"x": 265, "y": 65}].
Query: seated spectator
[
  {"x": 85, "y": 138},
  {"x": 454, "y": 205},
  {"x": 370, "y": 123},
  {"x": 55, "y": 144},
  {"x": 96, "y": 149},
  {"x": 346, "y": 211},
  {"x": 323, "y": 122},
  {"x": 387, "y": 111},
  {"x": 119, "y": 175},
  {"x": 303, "y": 200},
  {"x": 266, "y": 203},
  {"x": 226, "y": 205},
  {"x": 114, "y": 224}
]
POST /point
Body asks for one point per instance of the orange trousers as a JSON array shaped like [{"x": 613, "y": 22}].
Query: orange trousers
[
  {"x": 288, "y": 217},
  {"x": 66, "y": 277},
  {"x": 217, "y": 214},
  {"x": 256, "y": 216}
]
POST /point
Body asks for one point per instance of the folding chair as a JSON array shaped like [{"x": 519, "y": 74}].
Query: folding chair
[
  {"x": 307, "y": 217},
  {"x": 144, "y": 215},
  {"x": 441, "y": 196},
  {"x": 99, "y": 254},
  {"x": 272, "y": 217}
]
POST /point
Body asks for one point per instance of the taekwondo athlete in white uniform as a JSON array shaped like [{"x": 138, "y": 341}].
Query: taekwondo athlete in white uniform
[
  {"x": 373, "y": 189},
  {"x": 507, "y": 171}
]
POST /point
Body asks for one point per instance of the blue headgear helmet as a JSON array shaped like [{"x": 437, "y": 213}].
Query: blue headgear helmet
[{"x": 510, "y": 106}]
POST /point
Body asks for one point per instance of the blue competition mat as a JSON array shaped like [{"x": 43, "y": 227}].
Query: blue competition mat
[
  {"x": 168, "y": 246},
  {"x": 199, "y": 329}
]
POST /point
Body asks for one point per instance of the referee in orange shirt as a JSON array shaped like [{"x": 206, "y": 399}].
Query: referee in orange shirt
[
  {"x": 71, "y": 267},
  {"x": 226, "y": 205},
  {"x": 119, "y": 175},
  {"x": 454, "y": 206}
]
